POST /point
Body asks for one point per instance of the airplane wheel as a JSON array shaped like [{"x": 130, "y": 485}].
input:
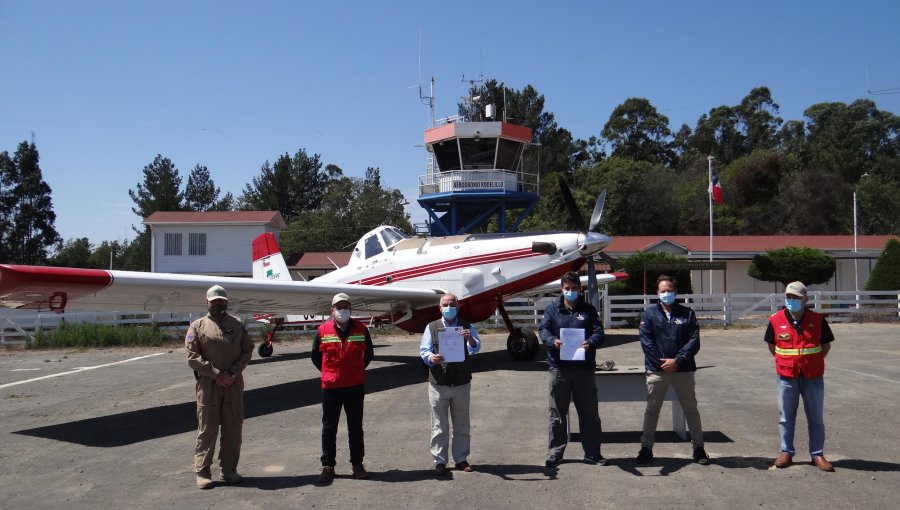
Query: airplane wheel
[
  {"x": 265, "y": 349},
  {"x": 523, "y": 348}
]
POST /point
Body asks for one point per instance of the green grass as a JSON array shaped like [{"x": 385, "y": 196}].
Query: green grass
[{"x": 98, "y": 335}]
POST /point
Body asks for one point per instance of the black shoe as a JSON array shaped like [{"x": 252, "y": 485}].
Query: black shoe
[
  {"x": 645, "y": 456},
  {"x": 552, "y": 462},
  {"x": 596, "y": 459},
  {"x": 327, "y": 475},
  {"x": 441, "y": 470},
  {"x": 700, "y": 456}
]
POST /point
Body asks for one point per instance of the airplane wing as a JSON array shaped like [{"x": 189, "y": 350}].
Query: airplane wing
[
  {"x": 60, "y": 288},
  {"x": 554, "y": 286}
]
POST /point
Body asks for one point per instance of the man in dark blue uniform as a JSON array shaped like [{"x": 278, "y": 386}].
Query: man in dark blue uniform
[
  {"x": 572, "y": 380},
  {"x": 670, "y": 338}
]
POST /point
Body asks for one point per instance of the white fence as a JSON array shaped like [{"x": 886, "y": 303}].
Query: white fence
[
  {"x": 18, "y": 327},
  {"x": 727, "y": 309}
]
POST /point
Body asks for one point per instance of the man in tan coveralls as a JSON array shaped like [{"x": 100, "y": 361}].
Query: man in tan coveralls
[{"x": 218, "y": 348}]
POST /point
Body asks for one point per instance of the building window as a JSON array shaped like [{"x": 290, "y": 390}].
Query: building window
[
  {"x": 197, "y": 244},
  {"x": 173, "y": 244}
]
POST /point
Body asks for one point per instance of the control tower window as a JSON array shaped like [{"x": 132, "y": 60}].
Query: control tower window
[
  {"x": 508, "y": 154},
  {"x": 373, "y": 247},
  {"x": 447, "y": 155},
  {"x": 478, "y": 153}
]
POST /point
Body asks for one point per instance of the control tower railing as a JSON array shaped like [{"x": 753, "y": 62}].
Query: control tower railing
[{"x": 476, "y": 180}]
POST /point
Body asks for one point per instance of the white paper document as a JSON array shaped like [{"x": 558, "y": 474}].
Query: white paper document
[
  {"x": 451, "y": 345},
  {"x": 571, "y": 349}
]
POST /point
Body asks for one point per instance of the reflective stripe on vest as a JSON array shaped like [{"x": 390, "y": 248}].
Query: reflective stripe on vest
[
  {"x": 356, "y": 338},
  {"x": 331, "y": 339},
  {"x": 805, "y": 351}
]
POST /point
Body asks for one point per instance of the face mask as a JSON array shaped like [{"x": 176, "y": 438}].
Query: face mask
[
  {"x": 342, "y": 316},
  {"x": 793, "y": 305},
  {"x": 217, "y": 308},
  {"x": 667, "y": 298},
  {"x": 570, "y": 295},
  {"x": 449, "y": 312}
]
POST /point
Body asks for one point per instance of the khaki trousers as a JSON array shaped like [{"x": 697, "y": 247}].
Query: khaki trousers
[
  {"x": 657, "y": 385},
  {"x": 219, "y": 408}
]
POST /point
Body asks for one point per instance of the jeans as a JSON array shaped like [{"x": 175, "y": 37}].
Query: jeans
[{"x": 813, "y": 392}]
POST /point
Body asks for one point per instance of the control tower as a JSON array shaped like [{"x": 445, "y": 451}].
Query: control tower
[{"x": 475, "y": 173}]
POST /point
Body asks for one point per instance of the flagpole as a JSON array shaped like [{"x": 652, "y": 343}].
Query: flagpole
[{"x": 709, "y": 159}]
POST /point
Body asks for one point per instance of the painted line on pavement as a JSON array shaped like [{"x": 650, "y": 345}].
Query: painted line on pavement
[
  {"x": 78, "y": 370},
  {"x": 865, "y": 374}
]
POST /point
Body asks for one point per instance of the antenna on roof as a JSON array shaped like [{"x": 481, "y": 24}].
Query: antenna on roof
[
  {"x": 881, "y": 92},
  {"x": 429, "y": 99}
]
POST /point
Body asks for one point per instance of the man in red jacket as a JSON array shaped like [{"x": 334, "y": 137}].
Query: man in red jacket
[
  {"x": 799, "y": 339},
  {"x": 341, "y": 350}
]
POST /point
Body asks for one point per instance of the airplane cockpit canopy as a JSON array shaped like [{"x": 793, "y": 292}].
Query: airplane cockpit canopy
[{"x": 378, "y": 240}]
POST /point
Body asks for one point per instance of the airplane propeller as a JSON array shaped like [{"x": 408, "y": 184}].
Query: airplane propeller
[{"x": 578, "y": 219}]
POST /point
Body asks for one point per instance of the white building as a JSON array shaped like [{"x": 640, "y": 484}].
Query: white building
[{"x": 215, "y": 243}]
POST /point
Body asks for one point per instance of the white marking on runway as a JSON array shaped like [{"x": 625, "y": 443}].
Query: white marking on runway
[
  {"x": 24, "y": 369},
  {"x": 857, "y": 372},
  {"x": 78, "y": 370}
]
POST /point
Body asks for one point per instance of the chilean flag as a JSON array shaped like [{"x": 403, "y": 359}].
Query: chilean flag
[{"x": 715, "y": 189}]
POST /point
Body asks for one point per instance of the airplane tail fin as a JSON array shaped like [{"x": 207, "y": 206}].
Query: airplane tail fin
[{"x": 268, "y": 264}]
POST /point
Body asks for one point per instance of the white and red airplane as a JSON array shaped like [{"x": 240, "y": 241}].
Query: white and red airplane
[{"x": 391, "y": 277}]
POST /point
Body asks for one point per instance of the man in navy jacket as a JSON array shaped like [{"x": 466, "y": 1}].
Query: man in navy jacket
[
  {"x": 670, "y": 338},
  {"x": 572, "y": 380}
]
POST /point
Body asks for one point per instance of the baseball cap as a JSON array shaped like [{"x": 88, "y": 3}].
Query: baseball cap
[
  {"x": 216, "y": 292},
  {"x": 340, "y": 296},
  {"x": 796, "y": 288}
]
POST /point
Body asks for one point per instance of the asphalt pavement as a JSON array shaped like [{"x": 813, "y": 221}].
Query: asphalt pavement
[{"x": 115, "y": 428}]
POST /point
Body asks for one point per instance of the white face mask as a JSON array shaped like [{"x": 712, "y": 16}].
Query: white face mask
[{"x": 342, "y": 316}]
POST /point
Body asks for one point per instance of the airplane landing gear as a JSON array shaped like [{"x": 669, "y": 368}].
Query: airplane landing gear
[
  {"x": 266, "y": 348},
  {"x": 522, "y": 343}
]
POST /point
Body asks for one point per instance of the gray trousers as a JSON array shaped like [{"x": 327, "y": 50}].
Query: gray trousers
[
  {"x": 578, "y": 386},
  {"x": 657, "y": 385},
  {"x": 454, "y": 399}
]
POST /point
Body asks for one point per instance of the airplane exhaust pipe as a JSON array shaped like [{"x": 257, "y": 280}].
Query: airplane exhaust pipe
[{"x": 542, "y": 247}]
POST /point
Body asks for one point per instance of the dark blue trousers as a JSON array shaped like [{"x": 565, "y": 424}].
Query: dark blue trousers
[{"x": 351, "y": 400}]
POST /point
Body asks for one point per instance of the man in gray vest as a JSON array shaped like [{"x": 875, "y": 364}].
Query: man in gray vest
[{"x": 449, "y": 376}]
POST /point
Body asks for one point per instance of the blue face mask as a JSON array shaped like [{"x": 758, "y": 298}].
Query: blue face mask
[
  {"x": 667, "y": 298},
  {"x": 449, "y": 312},
  {"x": 570, "y": 295},
  {"x": 793, "y": 305}
]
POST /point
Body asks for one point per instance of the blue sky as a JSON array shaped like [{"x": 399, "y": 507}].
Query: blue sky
[{"x": 105, "y": 86}]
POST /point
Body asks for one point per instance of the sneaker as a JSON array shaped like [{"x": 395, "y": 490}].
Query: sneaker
[
  {"x": 598, "y": 460},
  {"x": 204, "y": 481},
  {"x": 700, "y": 456},
  {"x": 440, "y": 470},
  {"x": 645, "y": 456},
  {"x": 327, "y": 475},
  {"x": 359, "y": 471},
  {"x": 552, "y": 462},
  {"x": 232, "y": 478}
]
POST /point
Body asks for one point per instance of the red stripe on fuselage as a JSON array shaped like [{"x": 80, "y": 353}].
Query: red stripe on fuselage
[{"x": 412, "y": 272}]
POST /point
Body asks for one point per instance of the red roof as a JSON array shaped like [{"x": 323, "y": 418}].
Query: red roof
[
  {"x": 747, "y": 244},
  {"x": 257, "y": 217}
]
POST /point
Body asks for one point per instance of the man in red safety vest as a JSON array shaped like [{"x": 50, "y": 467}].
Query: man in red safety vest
[
  {"x": 341, "y": 350},
  {"x": 799, "y": 339}
]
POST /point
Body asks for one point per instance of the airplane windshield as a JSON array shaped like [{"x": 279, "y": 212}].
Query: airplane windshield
[{"x": 392, "y": 236}]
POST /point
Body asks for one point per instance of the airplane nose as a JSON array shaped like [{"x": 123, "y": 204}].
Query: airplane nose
[{"x": 592, "y": 242}]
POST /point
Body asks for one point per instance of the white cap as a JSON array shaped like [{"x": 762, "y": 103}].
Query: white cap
[
  {"x": 796, "y": 288},
  {"x": 216, "y": 292},
  {"x": 340, "y": 296}
]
